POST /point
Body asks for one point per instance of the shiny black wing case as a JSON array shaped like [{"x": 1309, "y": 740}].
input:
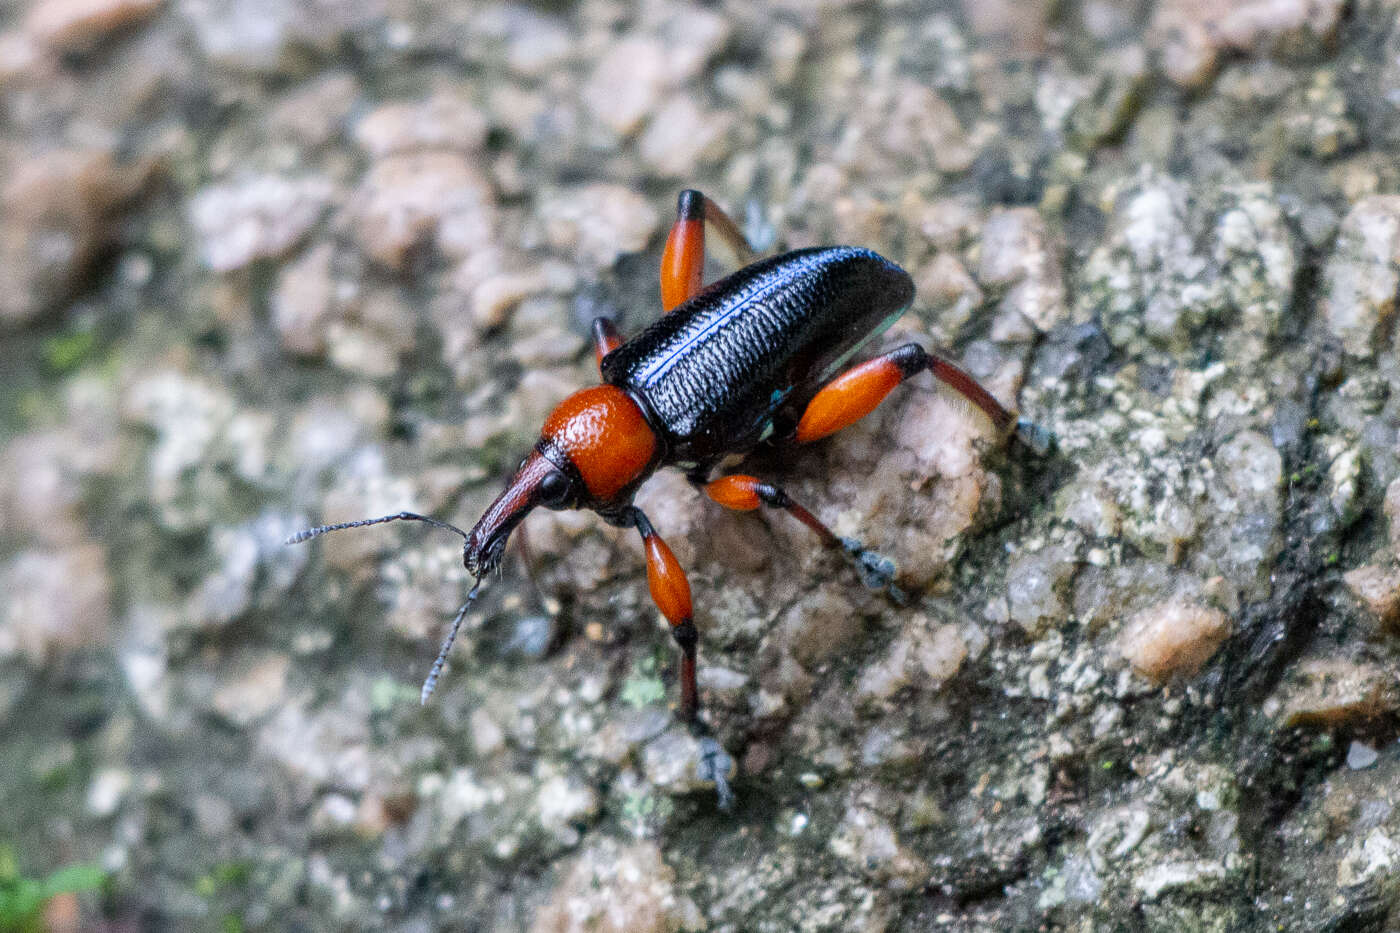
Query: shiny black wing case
[{"x": 715, "y": 372}]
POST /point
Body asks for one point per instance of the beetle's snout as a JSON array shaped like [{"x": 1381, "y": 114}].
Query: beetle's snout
[
  {"x": 486, "y": 542},
  {"x": 483, "y": 551}
]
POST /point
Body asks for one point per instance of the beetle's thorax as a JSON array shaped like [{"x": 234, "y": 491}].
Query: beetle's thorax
[{"x": 605, "y": 437}]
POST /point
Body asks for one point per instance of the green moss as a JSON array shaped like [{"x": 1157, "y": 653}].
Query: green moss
[
  {"x": 644, "y": 687},
  {"x": 22, "y": 899},
  {"x": 65, "y": 352}
]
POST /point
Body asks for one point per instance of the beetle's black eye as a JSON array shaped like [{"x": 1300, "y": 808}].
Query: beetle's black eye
[{"x": 555, "y": 489}]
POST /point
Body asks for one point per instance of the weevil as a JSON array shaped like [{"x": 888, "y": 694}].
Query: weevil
[{"x": 759, "y": 357}]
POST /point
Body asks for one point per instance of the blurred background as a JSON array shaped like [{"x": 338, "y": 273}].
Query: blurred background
[{"x": 269, "y": 263}]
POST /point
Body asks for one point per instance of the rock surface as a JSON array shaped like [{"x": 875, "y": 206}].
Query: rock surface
[{"x": 266, "y": 264}]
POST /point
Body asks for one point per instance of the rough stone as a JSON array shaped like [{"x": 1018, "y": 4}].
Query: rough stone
[
  {"x": 1172, "y": 638},
  {"x": 57, "y": 211},
  {"x": 617, "y": 888},
  {"x": 307, "y": 301},
  {"x": 55, "y": 601},
  {"x": 1191, "y": 35},
  {"x": 920, "y": 656},
  {"x": 1327, "y": 692},
  {"x": 1363, "y": 274},
  {"x": 446, "y": 120},
  {"x": 256, "y": 217},
  {"x": 407, "y": 201},
  {"x": 69, "y": 25},
  {"x": 1377, "y": 587},
  {"x": 633, "y": 75},
  {"x": 1019, "y": 252},
  {"x": 597, "y": 223},
  {"x": 869, "y": 842},
  {"x": 681, "y": 137}
]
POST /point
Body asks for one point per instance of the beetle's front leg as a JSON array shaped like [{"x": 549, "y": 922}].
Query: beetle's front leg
[
  {"x": 670, "y": 590},
  {"x": 746, "y": 493}
]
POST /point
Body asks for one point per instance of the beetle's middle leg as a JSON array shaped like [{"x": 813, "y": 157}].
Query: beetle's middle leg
[
  {"x": 683, "y": 262},
  {"x": 860, "y": 390},
  {"x": 746, "y": 493}
]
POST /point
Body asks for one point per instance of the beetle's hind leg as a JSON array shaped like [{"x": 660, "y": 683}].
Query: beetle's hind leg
[
  {"x": 605, "y": 338},
  {"x": 746, "y": 493},
  {"x": 860, "y": 390},
  {"x": 683, "y": 262}
]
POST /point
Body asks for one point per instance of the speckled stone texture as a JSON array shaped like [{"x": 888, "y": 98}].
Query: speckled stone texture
[{"x": 268, "y": 263}]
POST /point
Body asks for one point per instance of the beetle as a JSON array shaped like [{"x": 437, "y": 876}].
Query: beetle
[{"x": 760, "y": 356}]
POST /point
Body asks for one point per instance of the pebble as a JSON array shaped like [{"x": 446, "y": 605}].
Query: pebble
[
  {"x": 55, "y": 600},
  {"x": 58, "y": 209},
  {"x": 669, "y": 762},
  {"x": 315, "y": 112},
  {"x": 614, "y": 887},
  {"x": 76, "y": 25},
  {"x": 1363, "y": 274},
  {"x": 252, "y": 689},
  {"x": 562, "y": 804},
  {"x": 249, "y": 559},
  {"x": 447, "y": 120},
  {"x": 1019, "y": 25},
  {"x": 945, "y": 284},
  {"x": 319, "y": 748},
  {"x": 256, "y": 217},
  {"x": 106, "y": 791},
  {"x": 1172, "y": 638},
  {"x": 1375, "y": 855},
  {"x": 681, "y": 137},
  {"x": 921, "y": 656},
  {"x": 41, "y": 487},
  {"x": 869, "y": 843},
  {"x": 627, "y": 83},
  {"x": 1361, "y": 756},
  {"x": 1192, "y": 35},
  {"x": 263, "y": 36},
  {"x": 1018, "y": 251},
  {"x": 1147, "y": 276},
  {"x": 1328, "y": 692},
  {"x": 1391, "y": 507},
  {"x": 915, "y": 123},
  {"x": 595, "y": 224},
  {"x": 407, "y": 201},
  {"x": 494, "y": 298},
  {"x": 308, "y": 301},
  {"x": 1185, "y": 876},
  {"x": 1377, "y": 587},
  {"x": 636, "y": 72},
  {"x": 1035, "y": 587}
]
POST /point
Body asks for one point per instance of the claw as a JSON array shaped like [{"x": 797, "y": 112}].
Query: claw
[
  {"x": 715, "y": 765},
  {"x": 876, "y": 571},
  {"x": 1039, "y": 440}
]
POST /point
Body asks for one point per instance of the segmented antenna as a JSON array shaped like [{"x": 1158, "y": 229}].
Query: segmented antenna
[
  {"x": 431, "y": 682},
  {"x": 436, "y": 671},
  {"x": 316, "y": 532}
]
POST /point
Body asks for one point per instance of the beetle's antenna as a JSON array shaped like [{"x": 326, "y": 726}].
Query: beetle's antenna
[
  {"x": 431, "y": 682},
  {"x": 316, "y": 532}
]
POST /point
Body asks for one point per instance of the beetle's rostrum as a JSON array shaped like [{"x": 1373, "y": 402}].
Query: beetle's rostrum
[{"x": 758, "y": 357}]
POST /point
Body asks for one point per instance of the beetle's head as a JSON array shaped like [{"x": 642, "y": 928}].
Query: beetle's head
[{"x": 593, "y": 450}]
